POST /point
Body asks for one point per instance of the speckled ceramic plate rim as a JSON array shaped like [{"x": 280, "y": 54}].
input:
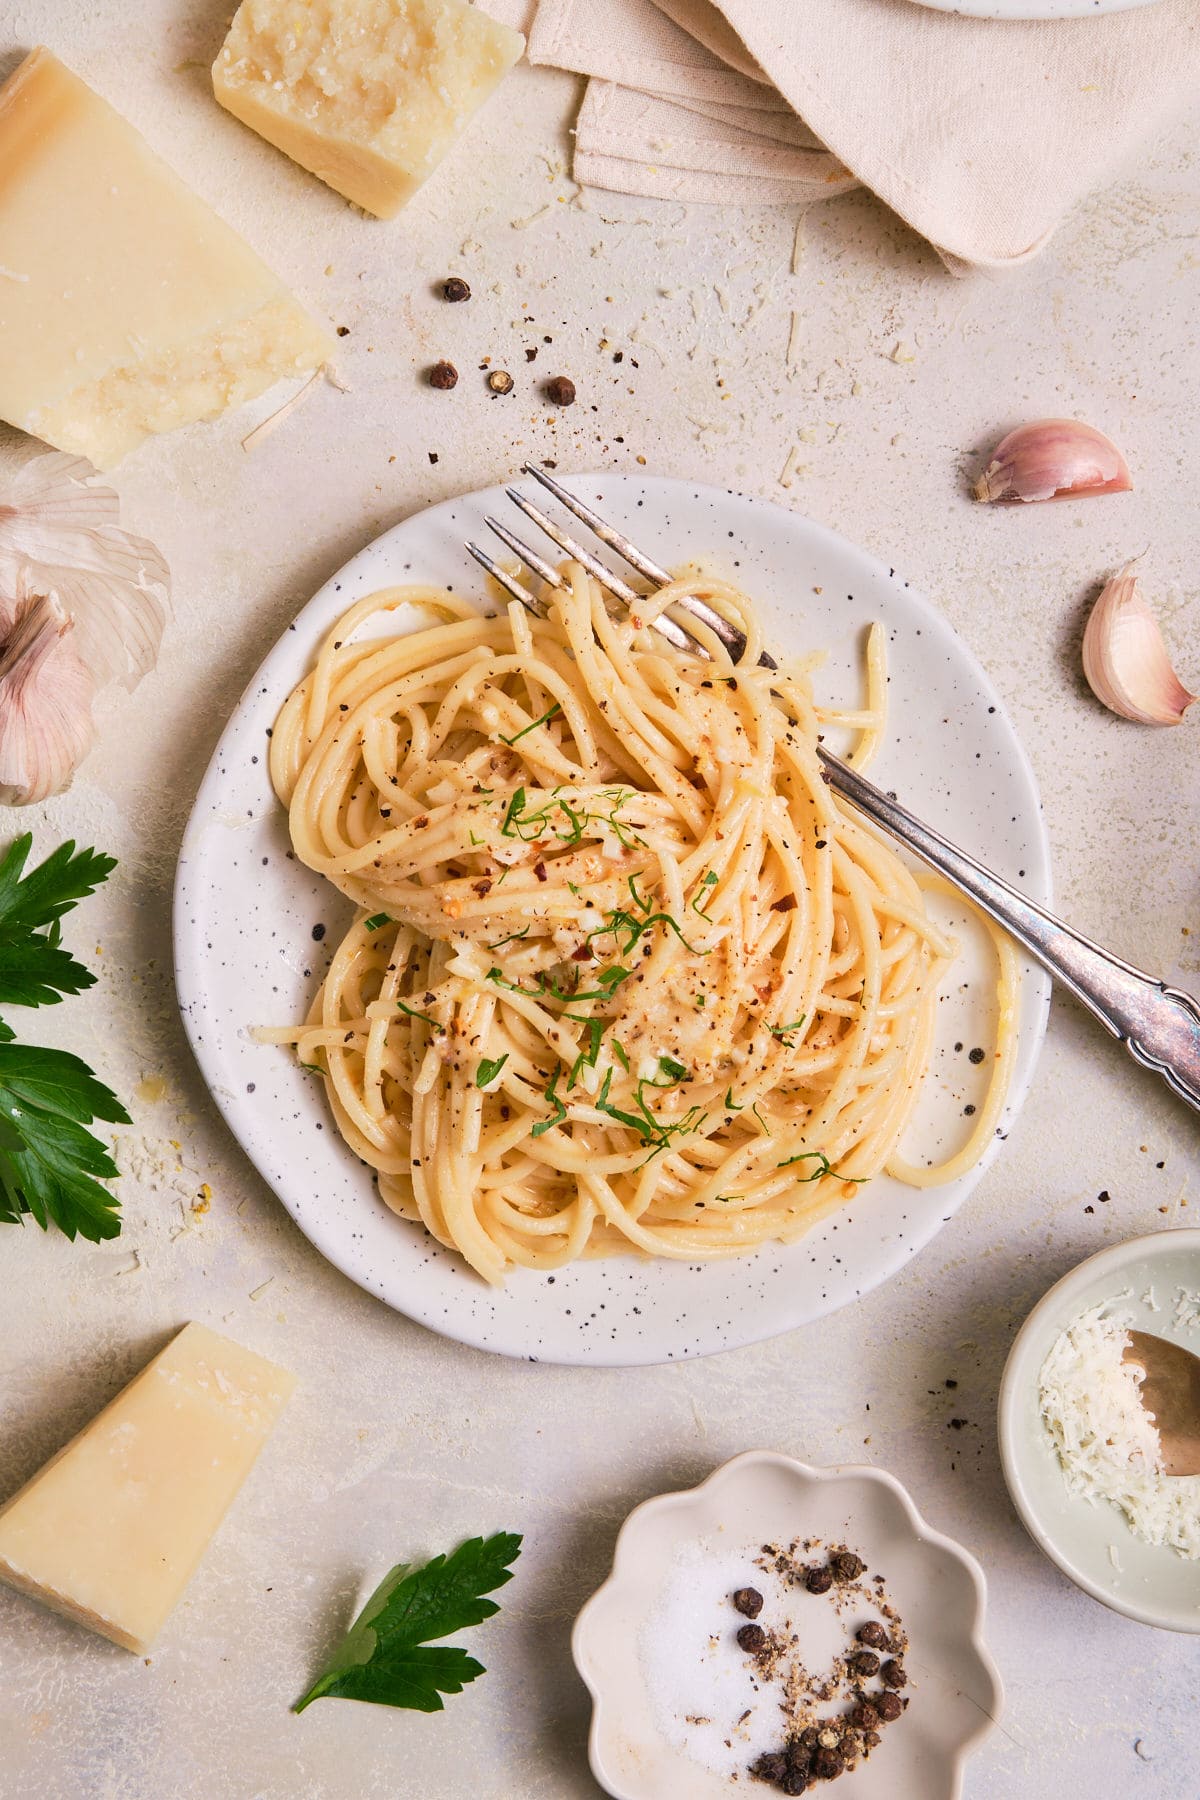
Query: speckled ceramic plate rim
[
  {"x": 1031, "y": 9},
  {"x": 1061, "y": 1304},
  {"x": 650, "y": 1311},
  {"x": 588, "y": 1649}
]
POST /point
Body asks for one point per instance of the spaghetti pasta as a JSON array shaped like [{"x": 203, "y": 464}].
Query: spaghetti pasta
[{"x": 626, "y": 973}]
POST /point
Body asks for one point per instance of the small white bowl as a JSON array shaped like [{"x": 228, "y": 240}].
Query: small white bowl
[
  {"x": 759, "y": 1497},
  {"x": 1154, "y": 1585}
]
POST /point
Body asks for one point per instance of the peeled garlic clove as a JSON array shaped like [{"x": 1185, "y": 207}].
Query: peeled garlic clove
[
  {"x": 1053, "y": 459},
  {"x": 45, "y": 704},
  {"x": 1125, "y": 660}
]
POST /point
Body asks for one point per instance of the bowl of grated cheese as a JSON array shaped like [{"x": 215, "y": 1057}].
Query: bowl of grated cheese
[{"x": 1079, "y": 1451}]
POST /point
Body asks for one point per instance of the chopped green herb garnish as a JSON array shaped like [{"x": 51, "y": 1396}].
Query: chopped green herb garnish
[
  {"x": 376, "y": 920},
  {"x": 618, "y": 1050},
  {"x": 674, "y": 1069},
  {"x": 730, "y": 1104},
  {"x": 595, "y": 1031},
  {"x": 510, "y": 939},
  {"x": 517, "y": 736},
  {"x": 824, "y": 1166},
  {"x": 642, "y": 905},
  {"x": 489, "y": 1068},
  {"x": 386, "y": 1655},
  {"x": 425, "y": 1017},
  {"x": 560, "y": 1112},
  {"x": 313, "y": 1068},
  {"x": 709, "y": 881},
  {"x": 781, "y": 1031}
]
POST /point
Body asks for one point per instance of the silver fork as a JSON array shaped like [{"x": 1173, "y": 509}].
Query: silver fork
[{"x": 1159, "y": 1025}]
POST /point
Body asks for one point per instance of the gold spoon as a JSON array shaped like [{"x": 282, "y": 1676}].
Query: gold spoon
[{"x": 1171, "y": 1395}]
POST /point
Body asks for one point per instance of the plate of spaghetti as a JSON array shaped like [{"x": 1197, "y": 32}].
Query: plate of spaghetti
[{"x": 538, "y": 970}]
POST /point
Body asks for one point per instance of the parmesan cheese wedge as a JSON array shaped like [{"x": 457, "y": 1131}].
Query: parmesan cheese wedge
[
  {"x": 367, "y": 94},
  {"x": 128, "y": 307},
  {"x": 112, "y": 1529}
]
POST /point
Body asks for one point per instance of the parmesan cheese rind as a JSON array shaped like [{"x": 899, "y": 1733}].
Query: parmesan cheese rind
[{"x": 1106, "y": 1442}]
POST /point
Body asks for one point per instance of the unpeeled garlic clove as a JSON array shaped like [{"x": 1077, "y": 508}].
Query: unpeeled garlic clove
[
  {"x": 45, "y": 703},
  {"x": 1125, "y": 660},
  {"x": 1053, "y": 459}
]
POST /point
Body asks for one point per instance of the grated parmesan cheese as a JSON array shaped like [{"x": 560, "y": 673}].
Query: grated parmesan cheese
[{"x": 1106, "y": 1442}]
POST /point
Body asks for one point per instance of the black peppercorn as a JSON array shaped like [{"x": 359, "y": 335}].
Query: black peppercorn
[
  {"x": 827, "y": 1763},
  {"x": 889, "y": 1706},
  {"x": 561, "y": 391},
  {"x": 752, "y": 1638},
  {"x": 443, "y": 375},
  {"x": 863, "y": 1662},
  {"x": 818, "y": 1581},
  {"x": 795, "y": 1781},
  {"x": 893, "y": 1674},
  {"x": 846, "y": 1566},
  {"x": 799, "y": 1755},
  {"x": 864, "y": 1716},
  {"x": 872, "y": 1633},
  {"x": 749, "y": 1601},
  {"x": 770, "y": 1767},
  {"x": 809, "y": 1737},
  {"x": 500, "y": 381},
  {"x": 455, "y": 289}
]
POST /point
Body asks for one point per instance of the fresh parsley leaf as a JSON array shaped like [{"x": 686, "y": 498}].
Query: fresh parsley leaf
[
  {"x": 559, "y": 1114},
  {"x": 50, "y": 1166},
  {"x": 387, "y": 1656},
  {"x": 27, "y": 902},
  {"x": 36, "y": 972}
]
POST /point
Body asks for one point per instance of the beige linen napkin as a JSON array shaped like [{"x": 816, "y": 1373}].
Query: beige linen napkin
[{"x": 981, "y": 134}]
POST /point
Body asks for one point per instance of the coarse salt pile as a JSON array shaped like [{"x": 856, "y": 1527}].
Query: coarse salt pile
[{"x": 1106, "y": 1441}]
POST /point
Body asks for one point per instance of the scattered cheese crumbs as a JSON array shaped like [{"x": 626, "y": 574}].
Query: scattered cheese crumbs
[
  {"x": 151, "y": 1089},
  {"x": 1150, "y": 1302},
  {"x": 793, "y": 348},
  {"x": 261, "y": 1288},
  {"x": 799, "y": 244},
  {"x": 1114, "y": 1557},
  {"x": 524, "y": 224},
  {"x": 1186, "y": 1314},
  {"x": 787, "y": 473},
  {"x": 1106, "y": 1441},
  {"x": 903, "y": 353},
  {"x": 203, "y": 1200}
]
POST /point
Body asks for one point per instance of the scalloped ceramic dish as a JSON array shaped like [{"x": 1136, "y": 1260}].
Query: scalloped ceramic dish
[
  {"x": 1152, "y": 1584},
  {"x": 937, "y": 1588}
]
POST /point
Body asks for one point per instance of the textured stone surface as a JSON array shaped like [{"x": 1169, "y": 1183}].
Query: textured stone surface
[{"x": 398, "y": 1443}]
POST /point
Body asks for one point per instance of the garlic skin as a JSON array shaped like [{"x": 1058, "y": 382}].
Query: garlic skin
[
  {"x": 1125, "y": 660},
  {"x": 45, "y": 703},
  {"x": 61, "y": 527},
  {"x": 1053, "y": 459}
]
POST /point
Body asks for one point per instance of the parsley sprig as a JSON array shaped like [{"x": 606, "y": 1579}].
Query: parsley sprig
[
  {"x": 51, "y": 1166},
  {"x": 390, "y": 1656}
]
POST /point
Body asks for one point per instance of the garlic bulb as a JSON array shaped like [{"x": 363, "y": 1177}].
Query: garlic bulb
[
  {"x": 61, "y": 526},
  {"x": 1125, "y": 660},
  {"x": 82, "y": 603},
  {"x": 1053, "y": 459},
  {"x": 45, "y": 703}
]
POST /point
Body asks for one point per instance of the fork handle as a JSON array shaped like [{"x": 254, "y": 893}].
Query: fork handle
[{"x": 1159, "y": 1025}]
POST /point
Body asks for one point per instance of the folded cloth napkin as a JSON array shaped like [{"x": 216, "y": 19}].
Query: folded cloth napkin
[{"x": 982, "y": 134}]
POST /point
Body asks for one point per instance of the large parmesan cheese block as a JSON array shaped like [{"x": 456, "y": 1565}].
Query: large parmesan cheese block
[
  {"x": 111, "y": 1530},
  {"x": 126, "y": 305},
  {"x": 367, "y": 94}
]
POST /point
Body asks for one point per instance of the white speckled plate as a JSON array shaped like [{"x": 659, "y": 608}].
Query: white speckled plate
[
  {"x": 1093, "y": 1544},
  {"x": 1034, "y": 9},
  {"x": 650, "y": 1740},
  {"x": 253, "y": 928}
]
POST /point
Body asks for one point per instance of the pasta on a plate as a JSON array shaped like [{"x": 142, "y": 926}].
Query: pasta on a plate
[{"x": 626, "y": 973}]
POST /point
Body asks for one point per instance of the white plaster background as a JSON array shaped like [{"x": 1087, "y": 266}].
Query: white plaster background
[{"x": 399, "y": 1443}]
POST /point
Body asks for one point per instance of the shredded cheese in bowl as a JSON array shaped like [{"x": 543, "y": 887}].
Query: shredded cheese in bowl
[{"x": 1106, "y": 1441}]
